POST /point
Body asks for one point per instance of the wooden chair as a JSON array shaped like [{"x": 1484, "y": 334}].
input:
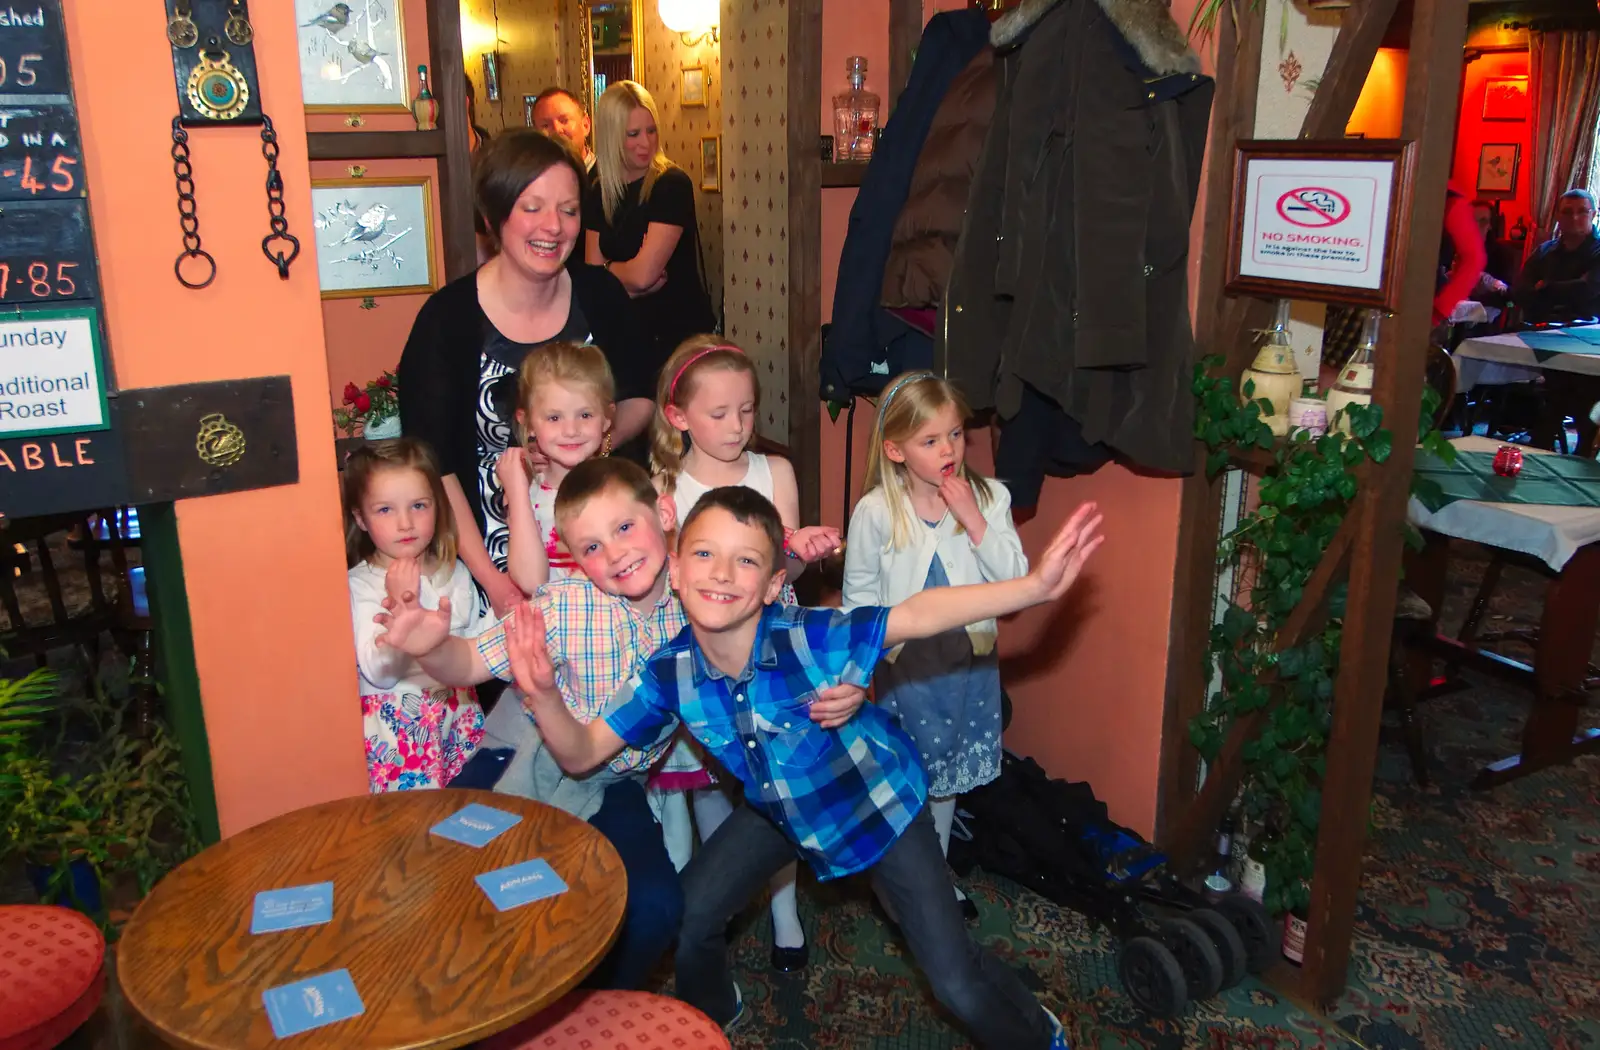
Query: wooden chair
[{"x": 28, "y": 545}]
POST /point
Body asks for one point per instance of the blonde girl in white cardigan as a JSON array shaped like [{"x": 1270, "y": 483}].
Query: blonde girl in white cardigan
[{"x": 927, "y": 520}]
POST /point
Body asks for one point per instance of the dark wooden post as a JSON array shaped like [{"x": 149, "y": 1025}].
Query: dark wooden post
[
  {"x": 805, "y": 254},
  {"x": 455, "y": 167},
  {"x": 905, "y": 29},
  {"x": 1433, "y": 78}
]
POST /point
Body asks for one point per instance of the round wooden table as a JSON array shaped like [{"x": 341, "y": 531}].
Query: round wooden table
[{"x": 434, "y": 962}]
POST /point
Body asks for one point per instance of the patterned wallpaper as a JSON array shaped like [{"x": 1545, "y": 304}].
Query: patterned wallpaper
[
  {"x": 755, "y": 205},
  {"x": 528, "y": 32},
  {"x": 682, "y": 127}
]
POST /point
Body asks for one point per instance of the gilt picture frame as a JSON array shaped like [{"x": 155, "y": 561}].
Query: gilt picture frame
[
  {"x": 374, "y": 236},
  {"x": 353, "y": 56},
  {"x": 692, "y": 91},
  {"x": 711, "y": 163}
]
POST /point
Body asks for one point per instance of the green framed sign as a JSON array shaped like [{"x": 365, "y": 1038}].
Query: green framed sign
[{"x": 52, "y": 372}]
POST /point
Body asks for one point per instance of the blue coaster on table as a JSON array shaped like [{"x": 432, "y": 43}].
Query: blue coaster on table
[
  {"x": 520, "y": 884},
  {"x": 312, "y": 1003},
  {"x": 475, "y": 824},
  {"x": 292, "y": 908}
]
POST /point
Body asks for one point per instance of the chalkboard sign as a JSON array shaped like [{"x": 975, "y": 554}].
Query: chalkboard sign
[
  {"x": 40, "y": 155},
  {"x": 33, "y": 52},
  {"x": 57, "y": 473},
  {"x": 46, "y": 252}
]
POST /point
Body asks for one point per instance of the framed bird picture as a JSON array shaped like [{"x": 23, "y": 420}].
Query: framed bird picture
[
  {"x": 352, "y": 56},
  {"x": 374, "y": 236}
]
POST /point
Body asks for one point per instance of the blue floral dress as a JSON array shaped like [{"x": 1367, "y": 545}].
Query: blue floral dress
[{"x": 948, "y": 701}]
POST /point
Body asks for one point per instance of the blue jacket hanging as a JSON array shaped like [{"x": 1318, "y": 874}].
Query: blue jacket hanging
[{"x": 855, "y": 358}]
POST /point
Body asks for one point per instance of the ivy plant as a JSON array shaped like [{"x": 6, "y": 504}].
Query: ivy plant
[{"x": 1302, "y": 498}]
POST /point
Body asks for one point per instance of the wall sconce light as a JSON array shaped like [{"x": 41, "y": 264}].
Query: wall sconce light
[{"x": 695, "y": 21}]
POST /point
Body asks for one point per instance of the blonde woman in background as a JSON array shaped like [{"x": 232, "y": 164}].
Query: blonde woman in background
[{"x": 639, "y": 221}]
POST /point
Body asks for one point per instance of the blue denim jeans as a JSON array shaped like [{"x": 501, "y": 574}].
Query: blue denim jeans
[
  {"x": 987, "y": 996},
  {"x": 655, "y": 898}
]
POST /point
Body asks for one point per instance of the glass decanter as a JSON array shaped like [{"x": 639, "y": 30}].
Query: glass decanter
[{"x": 855, "y": 115}]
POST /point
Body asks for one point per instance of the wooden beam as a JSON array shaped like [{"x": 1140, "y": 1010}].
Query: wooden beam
[
  {"x": 1433, "y": 76},
  {"x": 1361, "y": 32},
  {"x": 455, "y": 168},
  {"x": 374, "y": 145},
  {"x": 1222, "y": 327},
  {"x": 1191, "y": 833},
  {"x": 805, "y": 253},
  {"x": 1233, "y": 116},
  {"x": 837, "y": 174},
  {"x": 905, "y": 29}
]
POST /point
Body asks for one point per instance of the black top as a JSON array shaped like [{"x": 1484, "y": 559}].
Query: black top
[
  {"x": 682, "y": 307},
  {"x": 1573, "y": 288},
  {"x": 442, "y": 365}
]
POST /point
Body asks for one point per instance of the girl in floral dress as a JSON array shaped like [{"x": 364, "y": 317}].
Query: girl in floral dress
[{"x": 399, "y": 532}]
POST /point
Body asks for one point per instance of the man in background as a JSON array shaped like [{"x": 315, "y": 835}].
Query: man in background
[
  {"x": 1561, "y": 279},
  {"x": 558, "y": 113}
]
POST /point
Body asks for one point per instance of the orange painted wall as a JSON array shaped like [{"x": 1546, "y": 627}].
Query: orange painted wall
[
  {"x": 264, "y": 569},
  {"x": 1383, "y": 97},
  {"x": 1087, "y": 678},
  {"x": 1473, "y": 132}
]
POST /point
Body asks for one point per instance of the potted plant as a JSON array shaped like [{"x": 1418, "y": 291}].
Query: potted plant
[
  {"x": 375, "y": 410},
  {"x": 88, "y": 804}
]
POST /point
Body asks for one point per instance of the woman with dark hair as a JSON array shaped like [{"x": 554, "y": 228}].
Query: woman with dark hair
[{"x": 458, "y": 372}]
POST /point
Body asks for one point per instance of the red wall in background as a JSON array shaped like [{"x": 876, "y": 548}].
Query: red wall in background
[{"x": 1473, "y": 132}]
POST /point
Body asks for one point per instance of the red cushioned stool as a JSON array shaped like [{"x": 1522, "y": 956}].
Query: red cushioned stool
[
  {"x": 614, "y": 1021},
  {"x": 52, "y": 974}
]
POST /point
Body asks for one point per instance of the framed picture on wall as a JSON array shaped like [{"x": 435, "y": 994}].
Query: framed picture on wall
[
  {"x": 711, "y": 163},
  {"x": 352, "y": 56},
  {"x": 1505, "y": 98},
  {"x": 693, "y": 91},
  {"x": 1497, "y": 169},
  {"x": 1324, "y": 221},
  {"x": 374, "y": 236}
]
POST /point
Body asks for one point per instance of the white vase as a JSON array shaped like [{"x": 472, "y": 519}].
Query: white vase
[
  {"x": 1353, "y": 387},
  {"x": 382, "y": 430},
  {"x": 1273, "y": 375}
]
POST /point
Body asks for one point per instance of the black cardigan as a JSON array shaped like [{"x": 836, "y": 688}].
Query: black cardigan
[{"x": 440, "y": 366}]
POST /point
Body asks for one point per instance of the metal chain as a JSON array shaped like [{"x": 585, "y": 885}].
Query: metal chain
[
  {"x": 187, "y": 217},
  {"x": 280, "y": 225}
]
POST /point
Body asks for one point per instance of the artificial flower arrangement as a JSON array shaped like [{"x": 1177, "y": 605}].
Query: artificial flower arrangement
[{"x": 376, "y": 410}]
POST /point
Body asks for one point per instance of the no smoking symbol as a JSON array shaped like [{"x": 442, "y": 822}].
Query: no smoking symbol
[{"x": 1314, "y": 206}]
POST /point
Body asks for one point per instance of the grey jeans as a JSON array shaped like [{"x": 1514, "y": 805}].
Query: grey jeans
[{"x": 911, "y": 877}]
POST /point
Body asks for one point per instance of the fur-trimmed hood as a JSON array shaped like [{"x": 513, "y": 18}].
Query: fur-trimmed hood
[{"x": 1146, "y": 24}]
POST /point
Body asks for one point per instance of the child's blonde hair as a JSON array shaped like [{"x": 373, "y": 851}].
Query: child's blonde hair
[
  {"x": 696, "y": 356},
  {"x": 366, "y": 463},
  {"x": 568, "y": 363},
  {"x": 909, "y": 402}
]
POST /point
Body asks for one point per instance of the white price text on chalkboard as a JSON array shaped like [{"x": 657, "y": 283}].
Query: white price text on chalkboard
[{"x": 51, "y": 379}]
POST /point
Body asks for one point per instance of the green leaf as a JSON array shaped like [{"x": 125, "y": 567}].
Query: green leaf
[
  {"x": 1380, "y": 445},
  {"x": 1215, "y": 462},
  {"x": 834, "y": 408},
  {"x": 1237, "y": 623}
]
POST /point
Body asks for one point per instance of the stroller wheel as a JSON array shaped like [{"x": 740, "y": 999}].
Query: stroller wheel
[
  {"x": 1202, "y": 967},
  {"x": 1255, "y": 928},
  {"x": 1226, "y": 940},
  {"x": 1152, "y": 977}
]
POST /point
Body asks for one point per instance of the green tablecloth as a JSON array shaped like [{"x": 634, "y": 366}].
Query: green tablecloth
[
  {"x": 1562, "y": 341},
  {"x": 1561, "y": 481}
]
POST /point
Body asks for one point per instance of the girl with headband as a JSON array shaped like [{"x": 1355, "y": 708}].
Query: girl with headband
[
  {"x": 926, "y": 519},
  {"x": 705, "y": 419}
]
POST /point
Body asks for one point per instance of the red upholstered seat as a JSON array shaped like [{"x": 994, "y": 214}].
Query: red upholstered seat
[
  {"x": 614, "y": 1021},
  {"x": 52, "y": 974}
]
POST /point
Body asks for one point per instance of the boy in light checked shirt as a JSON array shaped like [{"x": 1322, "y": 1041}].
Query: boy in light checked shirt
[
  {"x": 848, "y": 798},
  {"x": 597, "y": 630}
]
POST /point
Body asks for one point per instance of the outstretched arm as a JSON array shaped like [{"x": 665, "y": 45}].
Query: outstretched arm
[
  {"x": 578, "y": 747},
  {"x": 938, "y": 609},
  {"x": 425, "y": 633}
]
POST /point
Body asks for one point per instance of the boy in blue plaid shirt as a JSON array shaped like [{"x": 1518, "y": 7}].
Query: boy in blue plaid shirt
[{"x": 847, "y": 794}]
